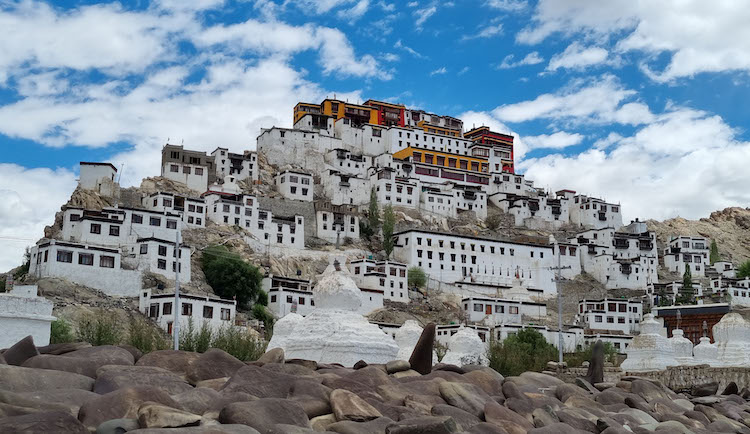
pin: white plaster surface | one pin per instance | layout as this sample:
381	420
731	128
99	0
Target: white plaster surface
23	313
465	348
732	336
705	352
683	348
649	351
407	337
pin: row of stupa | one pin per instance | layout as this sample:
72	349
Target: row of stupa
651	351
335	333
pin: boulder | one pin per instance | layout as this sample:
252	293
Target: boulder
69	400
155	415
544	417
75	365
485	428
576	419
259	382
20	351
465	396
706	389
171	360
565	391
648	390
321	423
2	360
557	428
43	422
20	379
215	384
112	377
359	365
104	354
263	414
421	357
397	366
57	349
487	379
731	389
595	373
201	400
377	426
117	426
275	355
312	396
214	363
310	364
499	415
297	370
348	406
137	354
208	429
464	420
424	425
423	403
122	403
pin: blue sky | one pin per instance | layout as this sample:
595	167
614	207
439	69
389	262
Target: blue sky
641	106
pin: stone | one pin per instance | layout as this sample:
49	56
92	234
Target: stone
348	406
557	428
309	364
135	352
284	368
465	396
104	354
274	355
110	378
421	358
544	417
117	426
406	338
360	364
43	422
486	378
202	400
75	365
464	420
585	385
485	428
499	415
697	416
404	374
264	414
49	400
208	429
563	392
321	423
57	349
122	403
155	415
312	396
377	426
731	389
214	363
649	351
260	382
465	348
648	390
397	366
20	351
20	379
174	361
424	425
215	384
682	347
595	372
705	389
640	416
732	336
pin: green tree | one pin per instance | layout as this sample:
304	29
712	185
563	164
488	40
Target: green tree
262	314
687	278
231	277
389	222
416	278
743	270
373	214
524	351
23	270
714	256
100	328
60	332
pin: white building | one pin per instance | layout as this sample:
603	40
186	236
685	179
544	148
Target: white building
495	311
159	256
239	166
455	258
390	277
335	223
24	313
682	252
737	289
295	185
119	226
345	189
99	177
93	266
443	332
395	190
192	210
573	337
215	312
288	295
535	212
193	168
590	212
725	269
610	315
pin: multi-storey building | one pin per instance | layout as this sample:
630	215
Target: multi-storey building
611	315
431	122
192	168
395	190
494	311
118	226
345	189
536	212
295	185
161	257
387	276
590	212
455	258
684	251
288	294
497	147
435	166
217	313
192	210
99	177
388	114
335	223
238	166
738	290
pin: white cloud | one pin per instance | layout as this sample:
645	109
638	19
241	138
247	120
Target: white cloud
558	140
409	50
29	199
486	32
699	36
602	101
412	4
463	70
577	56
439	71
423	15
507	5
390	57
532	58
355	12
387	7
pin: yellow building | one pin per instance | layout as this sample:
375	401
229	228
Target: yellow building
359	114
304	108
436	129
444	159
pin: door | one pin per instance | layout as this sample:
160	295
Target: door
488	309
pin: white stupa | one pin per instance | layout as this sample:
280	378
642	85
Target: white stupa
682	347
407	337
466	348
283	328
732	336
649	351
706	353
334	332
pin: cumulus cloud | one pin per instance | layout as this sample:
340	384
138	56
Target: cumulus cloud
423	14
486	32
439	71
577	56
532	58
698	36
558	140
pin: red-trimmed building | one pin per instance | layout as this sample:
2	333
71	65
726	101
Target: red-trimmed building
501	147
389	115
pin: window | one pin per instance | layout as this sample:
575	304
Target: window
621	320
187	309
199	171
289	299
598	318
610	320
302	301
499	309
173	168
107	261
64	256
162	250
86	258
153	310
114	230
478	307
513	310
154	221
137	218
208	312
167	308
225	313
96	228
161	264
75	217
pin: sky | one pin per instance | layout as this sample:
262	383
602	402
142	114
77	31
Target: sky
640	105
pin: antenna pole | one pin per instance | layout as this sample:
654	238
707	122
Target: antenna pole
176	328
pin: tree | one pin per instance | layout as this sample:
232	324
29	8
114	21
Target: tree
687	278
231	277
743	270
373	214
524	351
416	278
714	256
389	222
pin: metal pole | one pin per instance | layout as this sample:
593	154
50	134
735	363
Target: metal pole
559	305
176	327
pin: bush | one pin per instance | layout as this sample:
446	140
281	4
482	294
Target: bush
389	222
61	332
743	270
440	350
524	351
262	314
100	328
231	277
2	284
493	221
239	343
416	278
584	355
147	336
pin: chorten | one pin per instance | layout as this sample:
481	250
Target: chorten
732	336
465	348
407	337
682	347
334	332
706	353
649	351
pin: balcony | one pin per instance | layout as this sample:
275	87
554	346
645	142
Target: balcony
602	217
625	268
675	250
470	195
621	244
556	210
646	245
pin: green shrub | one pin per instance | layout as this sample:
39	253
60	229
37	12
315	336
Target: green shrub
61	332
524	351
239	343
100	328
262	314
416	278
743	270
231	277
584	355
389	222
147	336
